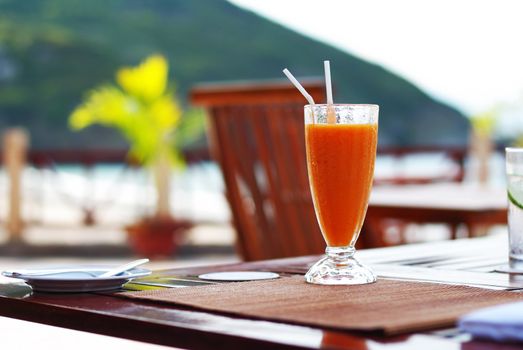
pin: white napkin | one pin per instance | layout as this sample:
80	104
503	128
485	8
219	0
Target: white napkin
500	323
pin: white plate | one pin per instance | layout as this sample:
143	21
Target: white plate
79	280
238	276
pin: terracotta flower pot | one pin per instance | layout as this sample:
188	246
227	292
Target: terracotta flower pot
156	238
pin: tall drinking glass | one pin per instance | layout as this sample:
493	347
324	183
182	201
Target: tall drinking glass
514	167
341	142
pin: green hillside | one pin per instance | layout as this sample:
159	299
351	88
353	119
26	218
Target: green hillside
52	51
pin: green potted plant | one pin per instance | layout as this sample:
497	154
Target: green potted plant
143	108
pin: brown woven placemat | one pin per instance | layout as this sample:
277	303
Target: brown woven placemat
386	306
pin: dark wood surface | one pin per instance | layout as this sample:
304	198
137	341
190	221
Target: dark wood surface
104	313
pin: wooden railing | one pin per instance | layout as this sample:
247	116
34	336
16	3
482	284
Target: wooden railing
44	158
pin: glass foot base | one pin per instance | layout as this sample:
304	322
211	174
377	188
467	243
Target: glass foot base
339	267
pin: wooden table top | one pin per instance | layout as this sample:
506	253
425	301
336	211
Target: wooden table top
454	196
471	261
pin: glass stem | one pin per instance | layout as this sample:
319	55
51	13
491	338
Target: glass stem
340	255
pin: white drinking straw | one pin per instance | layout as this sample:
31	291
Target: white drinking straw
328	85
331	113
298	86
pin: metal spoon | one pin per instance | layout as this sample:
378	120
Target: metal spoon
122	268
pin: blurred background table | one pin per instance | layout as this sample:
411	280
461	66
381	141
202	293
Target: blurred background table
476	207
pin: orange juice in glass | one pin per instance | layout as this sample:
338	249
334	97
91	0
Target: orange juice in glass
341	143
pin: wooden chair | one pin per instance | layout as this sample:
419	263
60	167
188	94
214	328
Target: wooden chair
256	134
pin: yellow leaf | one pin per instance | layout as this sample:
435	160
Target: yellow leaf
105	105
80	118
485	123
165	113
147	81
109	106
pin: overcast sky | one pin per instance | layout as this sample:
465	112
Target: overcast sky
466	53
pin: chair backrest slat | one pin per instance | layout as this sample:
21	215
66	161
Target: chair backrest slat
286	175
